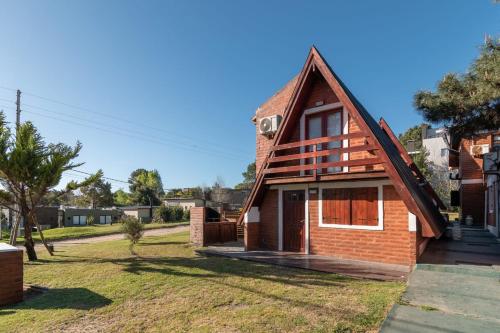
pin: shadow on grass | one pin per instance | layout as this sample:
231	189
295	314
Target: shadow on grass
60	298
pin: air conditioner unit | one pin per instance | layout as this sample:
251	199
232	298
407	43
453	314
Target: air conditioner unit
478	150
269	125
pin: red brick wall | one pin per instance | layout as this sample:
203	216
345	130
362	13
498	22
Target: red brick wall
11	277
252	236
395	244
320	92
472	167
197	218
472	202
274	106
269	221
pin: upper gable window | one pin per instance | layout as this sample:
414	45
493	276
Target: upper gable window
323	124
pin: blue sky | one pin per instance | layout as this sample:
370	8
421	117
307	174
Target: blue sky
182	79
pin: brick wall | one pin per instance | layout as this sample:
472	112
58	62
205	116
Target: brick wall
395	244
197	218
274	106
252	236
472	202
11	277
269	221
472	167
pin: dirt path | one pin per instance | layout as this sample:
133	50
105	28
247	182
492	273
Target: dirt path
97	239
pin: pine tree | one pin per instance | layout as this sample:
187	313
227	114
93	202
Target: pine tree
466	103
29	170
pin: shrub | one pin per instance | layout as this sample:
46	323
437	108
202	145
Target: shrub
90	219
133	230
187	215
178	212
158	216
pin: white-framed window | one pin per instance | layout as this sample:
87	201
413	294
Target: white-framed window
79	220
105	219
351	205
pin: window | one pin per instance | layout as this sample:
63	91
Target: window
79	220
325	124
496	140
105	219
355	208
444	152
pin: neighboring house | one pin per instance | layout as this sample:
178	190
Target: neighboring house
229	198
74	216
185	203
436	143
333	181
142	213
466	158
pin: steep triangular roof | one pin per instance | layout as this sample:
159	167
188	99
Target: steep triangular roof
402	177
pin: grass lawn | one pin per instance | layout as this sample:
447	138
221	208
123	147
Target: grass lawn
169	288
89	231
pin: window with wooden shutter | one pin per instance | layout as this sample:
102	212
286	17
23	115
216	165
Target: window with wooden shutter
364	206
336	206
345	207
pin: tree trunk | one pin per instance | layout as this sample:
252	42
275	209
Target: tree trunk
35	222
29	244
14	230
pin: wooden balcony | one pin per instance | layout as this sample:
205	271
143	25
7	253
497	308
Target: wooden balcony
309	160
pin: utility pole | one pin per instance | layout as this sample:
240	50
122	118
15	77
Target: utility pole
18	109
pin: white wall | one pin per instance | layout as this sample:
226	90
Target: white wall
434	146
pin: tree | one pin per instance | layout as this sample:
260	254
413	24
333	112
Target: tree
97	194
122	198
146	187
466	103
219	182
133	230
420	159
29	170
249	177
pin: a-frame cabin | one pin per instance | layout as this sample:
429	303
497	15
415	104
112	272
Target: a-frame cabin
333	181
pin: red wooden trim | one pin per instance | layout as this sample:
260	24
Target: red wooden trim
409	161
320	153
316	141
364	161
360	175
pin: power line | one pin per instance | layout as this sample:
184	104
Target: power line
134	122
126	134
127	130
107	130
192	147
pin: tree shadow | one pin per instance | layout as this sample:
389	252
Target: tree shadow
60	298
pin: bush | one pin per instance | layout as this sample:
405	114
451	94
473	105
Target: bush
133	230
187	215
177	213
158	216
169	214
90	219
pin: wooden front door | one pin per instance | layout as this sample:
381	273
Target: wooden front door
294	220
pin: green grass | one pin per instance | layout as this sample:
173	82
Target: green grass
169	288
89	231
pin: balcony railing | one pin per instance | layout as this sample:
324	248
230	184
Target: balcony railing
311	157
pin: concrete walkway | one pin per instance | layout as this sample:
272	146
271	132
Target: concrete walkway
97	239
459	291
